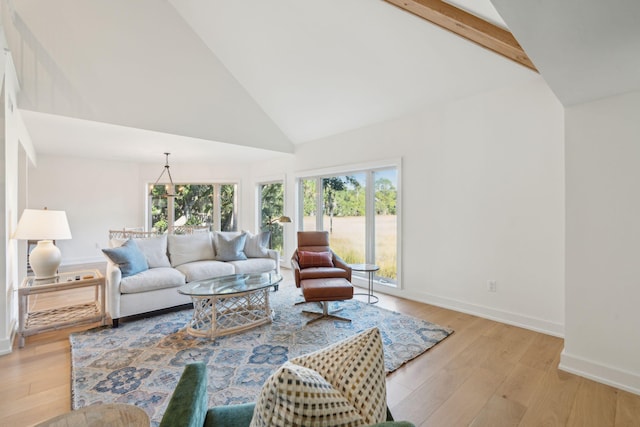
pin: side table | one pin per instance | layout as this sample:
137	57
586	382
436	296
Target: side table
34	322
370	269
111	414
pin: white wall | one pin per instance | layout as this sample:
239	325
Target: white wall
603	241
10	172
483	199
99	195
483	196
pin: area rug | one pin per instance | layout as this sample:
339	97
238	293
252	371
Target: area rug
141	361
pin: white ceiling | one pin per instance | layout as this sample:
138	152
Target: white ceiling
584	49
250	73
227	77
322	68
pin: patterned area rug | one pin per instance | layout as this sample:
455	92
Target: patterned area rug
141	361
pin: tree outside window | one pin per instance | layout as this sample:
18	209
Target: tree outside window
359	211
210	205
272	208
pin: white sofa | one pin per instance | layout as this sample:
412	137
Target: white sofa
172	261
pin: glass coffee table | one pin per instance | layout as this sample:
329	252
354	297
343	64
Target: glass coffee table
229	304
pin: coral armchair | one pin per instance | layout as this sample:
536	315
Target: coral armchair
314	259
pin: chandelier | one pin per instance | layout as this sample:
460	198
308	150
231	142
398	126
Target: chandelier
170	188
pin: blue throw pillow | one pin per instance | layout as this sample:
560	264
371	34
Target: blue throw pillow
230	248
128	257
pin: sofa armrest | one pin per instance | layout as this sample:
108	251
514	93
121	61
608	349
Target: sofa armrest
113	278
275	255
189	401
230	415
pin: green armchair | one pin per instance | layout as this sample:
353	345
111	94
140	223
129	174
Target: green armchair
188	406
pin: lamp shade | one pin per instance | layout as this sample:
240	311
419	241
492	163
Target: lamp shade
42	224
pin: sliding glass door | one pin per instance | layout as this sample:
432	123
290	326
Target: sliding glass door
359	210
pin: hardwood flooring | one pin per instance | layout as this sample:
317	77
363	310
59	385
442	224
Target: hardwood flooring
485	374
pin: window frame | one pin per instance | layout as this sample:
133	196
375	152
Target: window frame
216	212
369	168
258	200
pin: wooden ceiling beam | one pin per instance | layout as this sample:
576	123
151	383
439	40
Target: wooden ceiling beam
468	26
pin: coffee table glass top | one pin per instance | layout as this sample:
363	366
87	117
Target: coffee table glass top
229	285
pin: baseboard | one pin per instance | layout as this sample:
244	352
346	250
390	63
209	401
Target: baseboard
604	374
6	344
503	316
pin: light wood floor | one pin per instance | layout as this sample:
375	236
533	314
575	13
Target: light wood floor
485	374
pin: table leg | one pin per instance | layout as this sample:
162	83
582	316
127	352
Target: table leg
24	300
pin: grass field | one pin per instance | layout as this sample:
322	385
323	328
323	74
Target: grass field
348	240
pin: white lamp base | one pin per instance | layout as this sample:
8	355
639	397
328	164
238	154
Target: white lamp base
45	259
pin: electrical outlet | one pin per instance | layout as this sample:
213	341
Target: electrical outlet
492	286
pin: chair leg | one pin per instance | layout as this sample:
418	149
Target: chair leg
326	314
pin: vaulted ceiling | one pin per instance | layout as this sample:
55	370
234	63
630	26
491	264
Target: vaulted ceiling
251	79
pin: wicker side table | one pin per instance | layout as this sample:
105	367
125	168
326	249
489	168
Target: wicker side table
49	319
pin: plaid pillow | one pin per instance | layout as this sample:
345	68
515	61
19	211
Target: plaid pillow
299	396
308	259
341	385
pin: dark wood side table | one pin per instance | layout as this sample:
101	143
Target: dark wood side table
370	269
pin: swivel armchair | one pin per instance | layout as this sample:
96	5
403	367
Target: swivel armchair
321	273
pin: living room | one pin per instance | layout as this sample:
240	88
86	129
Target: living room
506	184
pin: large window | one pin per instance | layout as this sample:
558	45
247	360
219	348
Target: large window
359	210
271	205
210	205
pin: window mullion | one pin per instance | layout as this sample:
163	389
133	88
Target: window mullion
370	214
319	205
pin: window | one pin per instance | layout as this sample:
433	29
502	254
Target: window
271	205
359	210
210	205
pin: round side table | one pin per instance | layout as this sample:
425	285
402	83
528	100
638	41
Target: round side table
370	269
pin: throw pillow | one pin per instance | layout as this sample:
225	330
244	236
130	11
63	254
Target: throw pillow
155	250
299	396
256	245
184	248
308	259
355	367
230	248
129	258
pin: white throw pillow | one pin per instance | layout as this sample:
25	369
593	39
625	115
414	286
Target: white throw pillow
185	248
155	250
256	245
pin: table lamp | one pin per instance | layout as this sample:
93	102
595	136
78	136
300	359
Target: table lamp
45	226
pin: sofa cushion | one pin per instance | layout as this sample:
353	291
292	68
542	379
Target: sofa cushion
323	272
155	250
299	396
253	265
129	258
152	279
256	245
229	247
308	259
185	248
200	270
